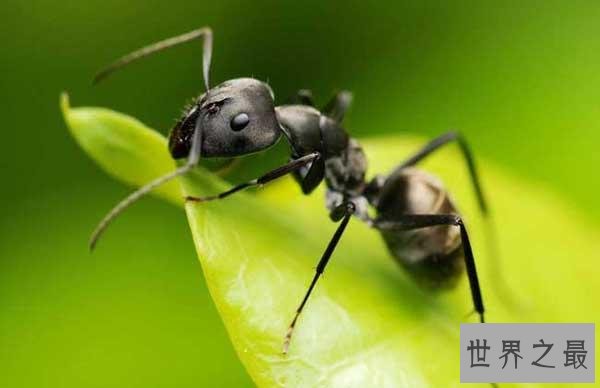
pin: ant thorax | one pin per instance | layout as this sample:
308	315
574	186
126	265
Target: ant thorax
345	179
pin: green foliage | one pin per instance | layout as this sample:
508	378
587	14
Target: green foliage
367	324
134	154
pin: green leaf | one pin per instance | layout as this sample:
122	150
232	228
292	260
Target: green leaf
367	324
123	146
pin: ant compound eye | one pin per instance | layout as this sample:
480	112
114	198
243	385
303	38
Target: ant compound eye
239	122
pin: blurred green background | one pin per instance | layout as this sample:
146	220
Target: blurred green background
520	79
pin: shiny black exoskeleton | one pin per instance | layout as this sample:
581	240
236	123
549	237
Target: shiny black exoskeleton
414	213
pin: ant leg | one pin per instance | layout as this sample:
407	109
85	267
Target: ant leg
491	235
417	221
304	97
342	212
310	178
336	108
292	166
439	142
205	33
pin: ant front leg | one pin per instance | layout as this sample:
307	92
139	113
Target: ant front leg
417	221
292	166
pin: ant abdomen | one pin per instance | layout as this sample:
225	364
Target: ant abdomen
433	255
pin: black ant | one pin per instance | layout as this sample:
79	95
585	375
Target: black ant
418	221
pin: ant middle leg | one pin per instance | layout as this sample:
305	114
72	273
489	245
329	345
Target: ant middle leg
342	212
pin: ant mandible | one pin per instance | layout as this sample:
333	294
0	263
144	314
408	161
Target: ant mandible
415	215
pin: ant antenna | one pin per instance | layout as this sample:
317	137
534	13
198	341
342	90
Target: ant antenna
195	151
193	159
204	32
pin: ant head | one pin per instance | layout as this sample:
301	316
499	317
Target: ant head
236	118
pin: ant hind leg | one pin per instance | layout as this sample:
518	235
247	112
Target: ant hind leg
418	221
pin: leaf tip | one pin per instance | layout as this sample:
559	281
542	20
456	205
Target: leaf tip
65	103
65	107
